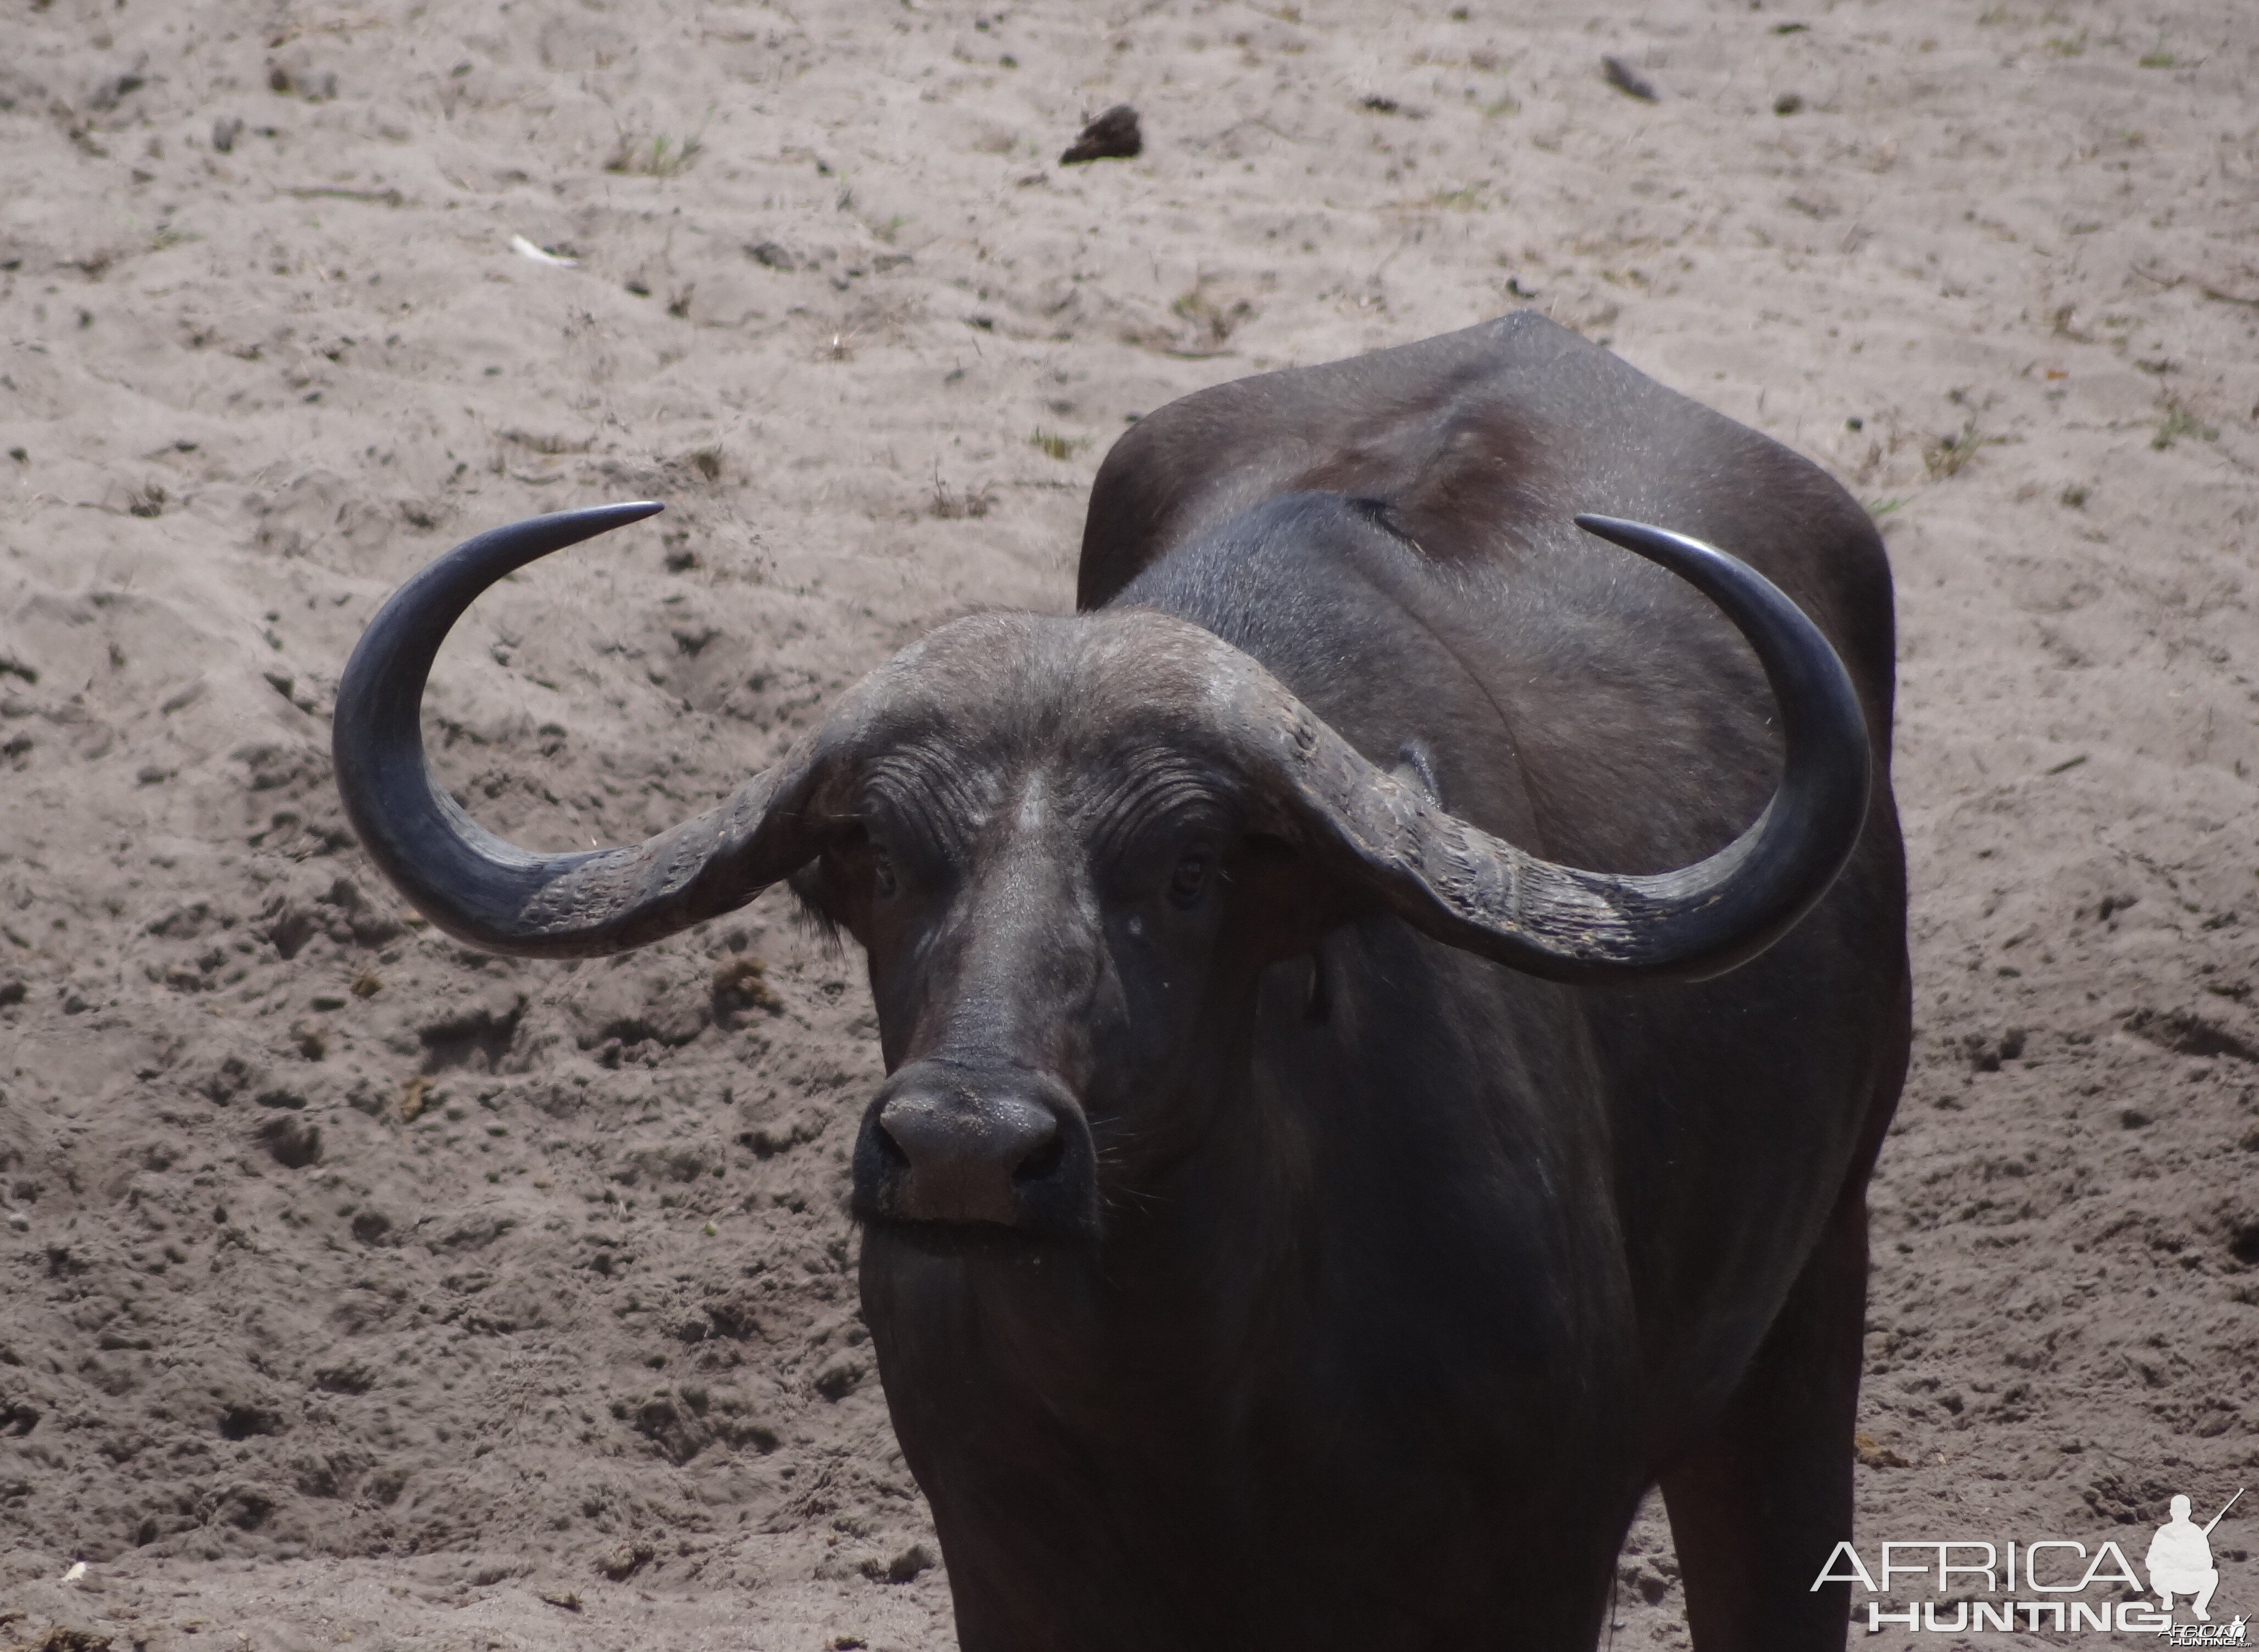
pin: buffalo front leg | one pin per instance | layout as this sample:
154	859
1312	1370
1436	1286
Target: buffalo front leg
1759	1507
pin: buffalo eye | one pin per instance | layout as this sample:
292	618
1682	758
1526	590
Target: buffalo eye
882	871
1191	875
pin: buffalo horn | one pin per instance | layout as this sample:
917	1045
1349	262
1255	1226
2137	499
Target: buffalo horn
1470	890
492	893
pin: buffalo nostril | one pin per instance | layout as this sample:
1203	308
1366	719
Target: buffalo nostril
889	1150
1041	1163
959	1152
949	1145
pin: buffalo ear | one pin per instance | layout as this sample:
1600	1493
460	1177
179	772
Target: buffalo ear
819	904
1290	898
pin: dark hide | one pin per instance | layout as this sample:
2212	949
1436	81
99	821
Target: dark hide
1266	1244
1406	1274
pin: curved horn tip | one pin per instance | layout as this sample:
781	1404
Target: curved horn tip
1607	527
604	518
562	528
1657	545
481	559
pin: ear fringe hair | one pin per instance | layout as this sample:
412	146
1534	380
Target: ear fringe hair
810	918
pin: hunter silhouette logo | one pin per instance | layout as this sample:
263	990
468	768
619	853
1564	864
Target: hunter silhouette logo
2046	1583
2180	1559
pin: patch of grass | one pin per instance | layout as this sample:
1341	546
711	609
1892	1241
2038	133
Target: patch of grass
1499	106
2179	421
743	984
955	506
1880	508
658	157
1869	1451
2075	497
2068	45
1948	455
2156	56
1056	446
1218	321
1469	199
550	445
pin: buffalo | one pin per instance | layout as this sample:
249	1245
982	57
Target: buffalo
1389	1009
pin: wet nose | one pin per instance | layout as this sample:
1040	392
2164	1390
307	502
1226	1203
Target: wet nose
964	1151
941	1145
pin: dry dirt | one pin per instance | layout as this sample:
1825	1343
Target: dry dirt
358	1289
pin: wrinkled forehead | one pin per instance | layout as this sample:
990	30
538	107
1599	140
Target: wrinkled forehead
1070	713
1020	682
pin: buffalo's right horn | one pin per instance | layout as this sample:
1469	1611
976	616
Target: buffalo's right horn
1462	885
493	895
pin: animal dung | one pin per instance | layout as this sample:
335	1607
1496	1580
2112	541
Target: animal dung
1112	136
623	1561
1627	80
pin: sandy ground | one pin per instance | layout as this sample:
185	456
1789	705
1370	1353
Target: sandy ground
357	1289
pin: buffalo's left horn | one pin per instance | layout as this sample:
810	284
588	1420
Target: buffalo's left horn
493	895
1463	887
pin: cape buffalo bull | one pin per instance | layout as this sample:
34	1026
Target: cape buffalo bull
1305	1210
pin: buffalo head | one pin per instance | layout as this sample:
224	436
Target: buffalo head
1069	847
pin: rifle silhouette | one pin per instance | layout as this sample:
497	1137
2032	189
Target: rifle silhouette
2224	1507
